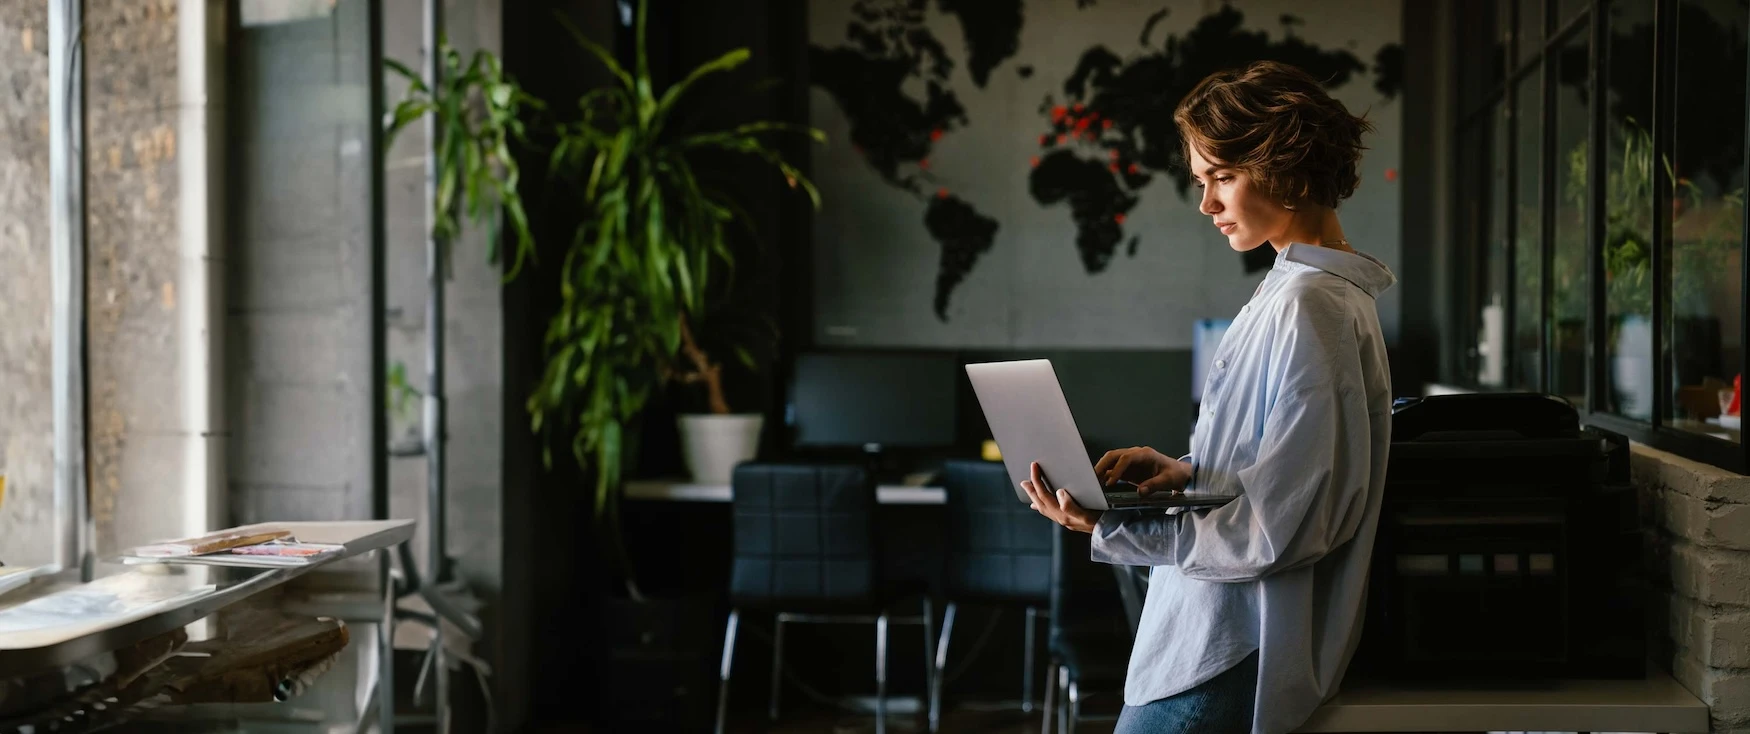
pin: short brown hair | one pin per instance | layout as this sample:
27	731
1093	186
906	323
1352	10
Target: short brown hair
1278	125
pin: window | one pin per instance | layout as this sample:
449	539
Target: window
1600	212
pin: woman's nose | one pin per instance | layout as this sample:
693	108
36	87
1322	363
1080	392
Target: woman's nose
1208	203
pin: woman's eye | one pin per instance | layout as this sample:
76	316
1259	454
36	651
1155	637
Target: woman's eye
1224	179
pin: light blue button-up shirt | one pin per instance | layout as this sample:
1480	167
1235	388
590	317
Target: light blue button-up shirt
1297	421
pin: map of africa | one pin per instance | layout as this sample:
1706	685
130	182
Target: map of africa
1105	131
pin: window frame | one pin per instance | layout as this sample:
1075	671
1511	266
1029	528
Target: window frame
1470	274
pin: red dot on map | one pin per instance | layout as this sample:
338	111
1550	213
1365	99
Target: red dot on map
1391	174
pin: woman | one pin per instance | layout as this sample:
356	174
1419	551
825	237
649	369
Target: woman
1254	608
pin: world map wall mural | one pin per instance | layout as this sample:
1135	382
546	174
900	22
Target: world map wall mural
1004	173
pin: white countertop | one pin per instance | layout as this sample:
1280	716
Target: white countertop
684	491
1654	704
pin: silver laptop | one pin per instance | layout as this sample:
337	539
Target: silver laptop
1024	405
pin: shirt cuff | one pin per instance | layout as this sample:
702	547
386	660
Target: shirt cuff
1193	480
1134	539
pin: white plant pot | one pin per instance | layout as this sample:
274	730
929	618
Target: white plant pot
713	444
1633	368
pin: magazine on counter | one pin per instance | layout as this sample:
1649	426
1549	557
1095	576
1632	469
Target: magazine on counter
287	552
256	546
212	543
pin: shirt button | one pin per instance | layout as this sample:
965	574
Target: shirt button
1221	364
1245	308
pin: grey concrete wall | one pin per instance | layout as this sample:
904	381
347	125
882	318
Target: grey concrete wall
298	276
137	437
26	415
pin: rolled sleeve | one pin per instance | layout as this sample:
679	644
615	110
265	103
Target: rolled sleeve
1301	498
1134	539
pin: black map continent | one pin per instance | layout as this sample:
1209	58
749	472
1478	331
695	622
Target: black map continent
1108	136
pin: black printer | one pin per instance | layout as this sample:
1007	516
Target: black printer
1509	545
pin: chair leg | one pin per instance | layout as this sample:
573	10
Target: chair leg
940	663
1050	698
1075	707
777	667
1063	687
929	648
881	674
723	671
1027	663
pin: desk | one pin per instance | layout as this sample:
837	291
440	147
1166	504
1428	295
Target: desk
49	648
1655	704
683	491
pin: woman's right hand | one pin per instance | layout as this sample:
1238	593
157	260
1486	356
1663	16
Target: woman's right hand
1148	469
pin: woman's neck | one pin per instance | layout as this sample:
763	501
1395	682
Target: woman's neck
1317	226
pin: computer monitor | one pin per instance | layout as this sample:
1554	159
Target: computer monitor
873	401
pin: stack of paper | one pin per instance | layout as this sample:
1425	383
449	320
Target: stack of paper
253	546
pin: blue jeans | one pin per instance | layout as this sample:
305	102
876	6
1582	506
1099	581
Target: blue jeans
1220	705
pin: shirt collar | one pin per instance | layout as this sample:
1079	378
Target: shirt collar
1362	269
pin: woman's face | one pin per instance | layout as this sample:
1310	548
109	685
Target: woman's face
1245	215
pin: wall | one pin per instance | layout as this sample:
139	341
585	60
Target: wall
1006	176
1698	542
26	414
133	336
297	327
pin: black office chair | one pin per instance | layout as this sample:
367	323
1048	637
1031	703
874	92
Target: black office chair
1091	630
999	553
804	550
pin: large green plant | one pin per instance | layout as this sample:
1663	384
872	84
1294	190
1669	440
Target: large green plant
638	269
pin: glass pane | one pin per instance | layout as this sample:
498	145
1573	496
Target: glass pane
1568	265
1628	213
1707	215
1480	37
1506	12
1460	366
1528	237
1567	9
1492	318
1530	29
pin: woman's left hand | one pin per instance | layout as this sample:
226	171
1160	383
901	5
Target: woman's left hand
1058	506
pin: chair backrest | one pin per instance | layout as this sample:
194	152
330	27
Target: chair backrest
998	548
1085	594
803	534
